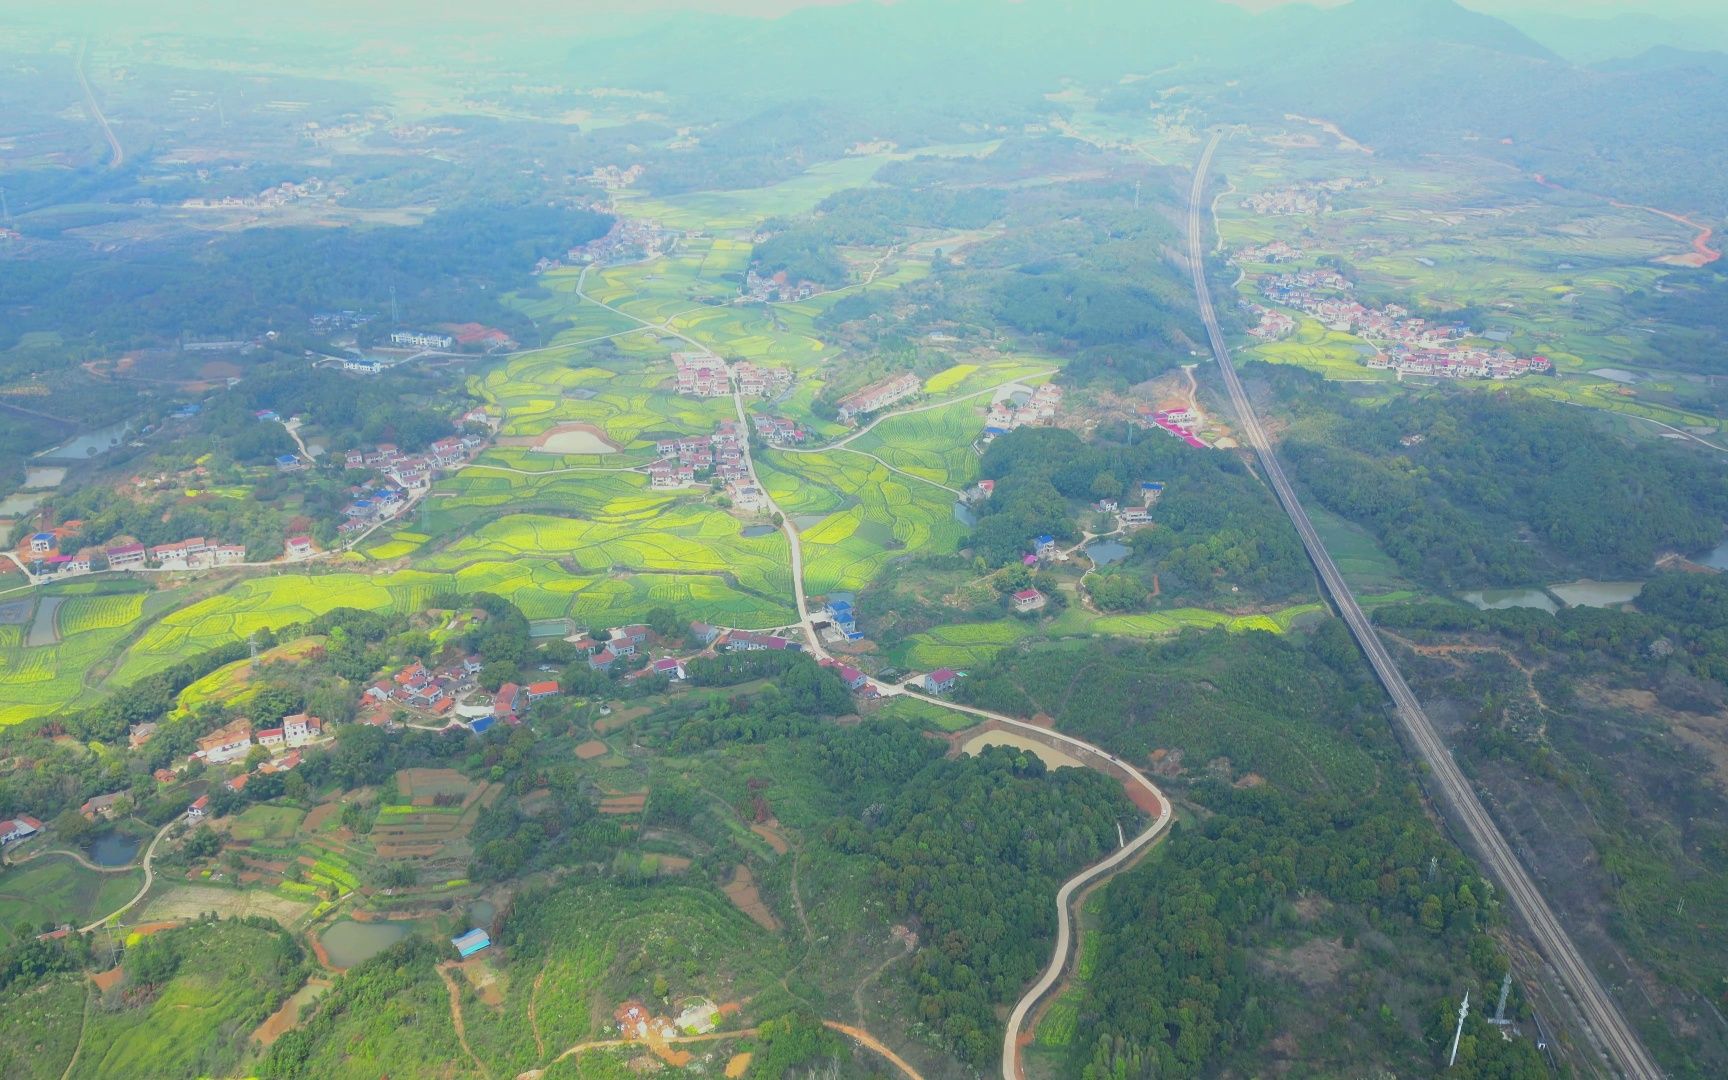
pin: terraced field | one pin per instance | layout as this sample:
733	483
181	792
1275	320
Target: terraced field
855	516
935	444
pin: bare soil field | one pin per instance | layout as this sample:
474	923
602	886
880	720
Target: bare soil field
592	749
192	901
742	892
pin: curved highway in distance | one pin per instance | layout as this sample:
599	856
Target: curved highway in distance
1622	1046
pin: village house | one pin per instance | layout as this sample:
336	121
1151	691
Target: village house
299	547
414	339
18	829
504	702
544	689
102	806
752	641
125	556
941	681
700	374
200	806
139	734
704	633
1028	600
270	738
851	676
227	743
876	396
42	543
300	729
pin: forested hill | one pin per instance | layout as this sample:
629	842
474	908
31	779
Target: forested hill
1404	76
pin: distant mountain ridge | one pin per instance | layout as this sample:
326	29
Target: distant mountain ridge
1408	76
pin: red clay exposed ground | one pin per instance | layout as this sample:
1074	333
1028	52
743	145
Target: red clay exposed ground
592	749
742	892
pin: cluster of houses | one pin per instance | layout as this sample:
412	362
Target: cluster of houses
193	553
777	430
702	374
1130	515
1303	200
1275	252
416	687
685	459
1272	324
1022	409
270	198
235	740
1404	343
878	395
613	178
1459	362
629	240
334	322
777	288
415	471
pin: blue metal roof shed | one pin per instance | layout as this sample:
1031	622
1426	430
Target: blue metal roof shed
471	942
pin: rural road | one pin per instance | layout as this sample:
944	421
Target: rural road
1093	757
1457	797
149	879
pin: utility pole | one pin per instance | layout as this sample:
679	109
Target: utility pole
395	319
1500	1010
5	209
1463	1011
1136	194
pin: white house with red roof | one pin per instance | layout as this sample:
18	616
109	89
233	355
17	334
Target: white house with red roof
22	827
1028	600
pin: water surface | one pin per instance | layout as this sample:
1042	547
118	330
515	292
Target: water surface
1500	599
112	849
1106	552
348	943
1587	593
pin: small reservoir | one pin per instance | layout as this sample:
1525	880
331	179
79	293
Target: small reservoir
348	943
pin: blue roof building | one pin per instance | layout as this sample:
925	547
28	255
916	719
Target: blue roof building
471	942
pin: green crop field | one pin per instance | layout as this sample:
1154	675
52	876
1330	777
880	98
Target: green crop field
935	444
52	889
265	822
869	515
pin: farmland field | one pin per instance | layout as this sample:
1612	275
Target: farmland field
51	889
868	515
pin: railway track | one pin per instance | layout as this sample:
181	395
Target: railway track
1607	1027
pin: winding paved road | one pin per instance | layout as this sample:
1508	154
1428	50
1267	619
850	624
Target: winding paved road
1621	1045
149	879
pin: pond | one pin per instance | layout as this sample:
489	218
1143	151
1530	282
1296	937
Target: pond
1718	557
348	943
964	515
1587	593
111	849
1498	599
751	532
1614	374
45	630
17	505
1106	552
89	445
481	913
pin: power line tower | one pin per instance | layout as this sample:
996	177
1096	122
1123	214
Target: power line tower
1463	1011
